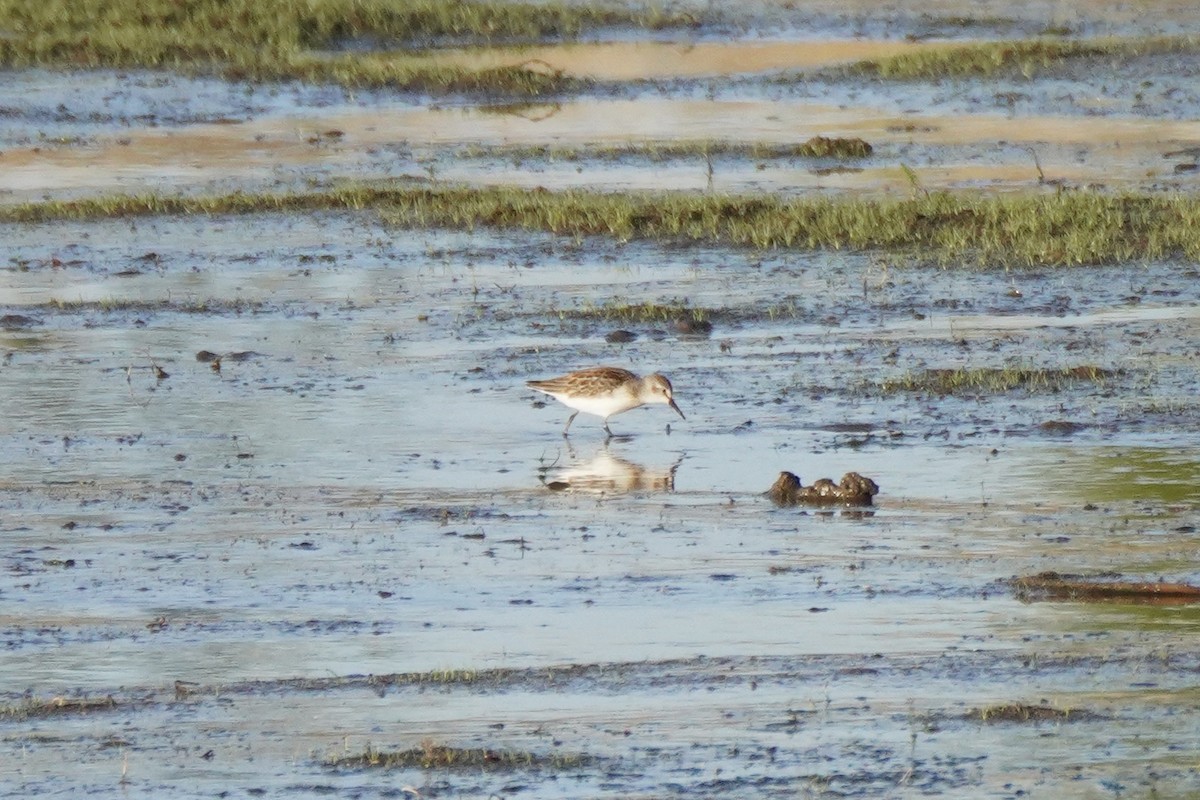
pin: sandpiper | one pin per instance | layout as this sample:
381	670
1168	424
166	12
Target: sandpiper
605	391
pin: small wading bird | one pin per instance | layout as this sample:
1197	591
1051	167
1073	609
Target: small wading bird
605	391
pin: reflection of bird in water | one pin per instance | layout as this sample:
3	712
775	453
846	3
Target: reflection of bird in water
605	391
606	473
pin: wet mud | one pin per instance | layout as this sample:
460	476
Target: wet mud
280	516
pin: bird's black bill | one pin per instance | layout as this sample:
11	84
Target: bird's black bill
672	401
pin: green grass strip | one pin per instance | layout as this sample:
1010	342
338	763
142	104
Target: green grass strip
817	147
285	40
1062	229
993	380
433	756
1025	57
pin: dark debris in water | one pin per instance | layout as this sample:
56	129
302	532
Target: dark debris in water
17	322
694	328
208	356
834	147
620	336
852	490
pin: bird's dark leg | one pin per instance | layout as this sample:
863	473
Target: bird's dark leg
606	430
570	419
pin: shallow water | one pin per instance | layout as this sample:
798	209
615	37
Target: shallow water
368	493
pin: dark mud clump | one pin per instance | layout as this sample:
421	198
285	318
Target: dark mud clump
214	360
1099	589
208	356
852	490
620	336
17	322
693	328
834	147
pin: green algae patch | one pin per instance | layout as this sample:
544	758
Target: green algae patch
948	229
432	756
